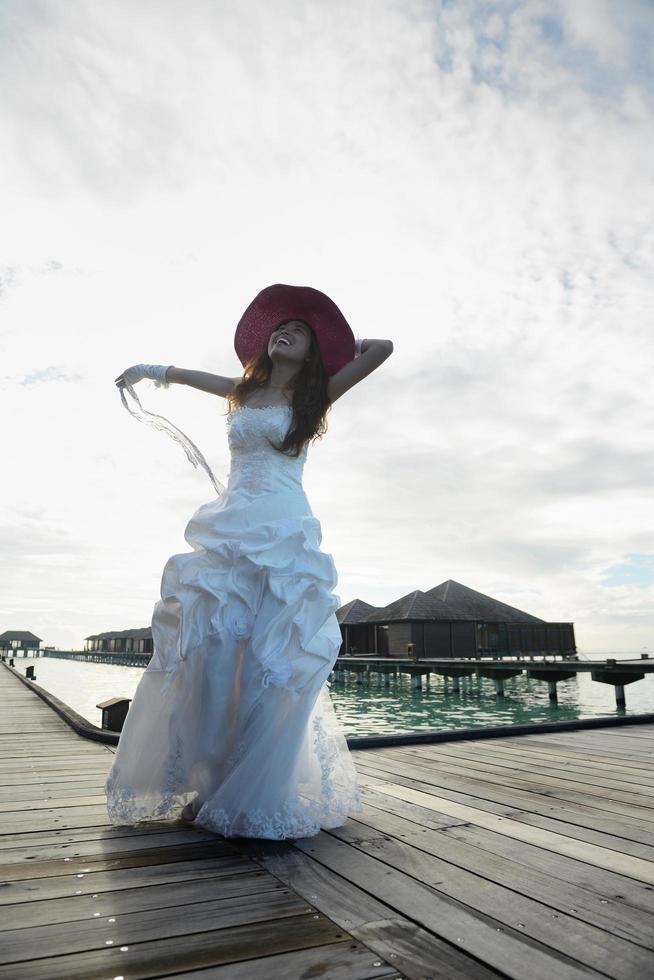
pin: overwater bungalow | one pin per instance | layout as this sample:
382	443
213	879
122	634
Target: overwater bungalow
450	620
19	641
121	641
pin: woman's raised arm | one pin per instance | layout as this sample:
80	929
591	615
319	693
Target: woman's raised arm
215	384
373	354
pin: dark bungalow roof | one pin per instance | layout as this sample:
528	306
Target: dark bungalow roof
19	635
414	605
476	605
144	633
449	601
354	611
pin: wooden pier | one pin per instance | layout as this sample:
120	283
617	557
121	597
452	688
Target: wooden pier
617	673
525	857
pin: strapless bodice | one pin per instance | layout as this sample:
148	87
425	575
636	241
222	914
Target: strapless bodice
256	466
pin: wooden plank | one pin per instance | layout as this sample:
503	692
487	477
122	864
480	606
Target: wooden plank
17	759
82	850
31	743
92	863
63	886
602	857
147	924
521	763
605	885
336	961
593	748
575	813
636	810
414	951
19	796
502	948
646	739
26	742
54	802
501	769
642	779
50	912
570	935
42	727
166	953
10	842
563	752
586	818
32	777
598	742
47	771
61	760
550	890
637	731
523	816
54	761
10	762
64	819
554	821
19	742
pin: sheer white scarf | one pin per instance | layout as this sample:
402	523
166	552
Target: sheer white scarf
193	454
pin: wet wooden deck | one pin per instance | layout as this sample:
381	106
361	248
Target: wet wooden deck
526	857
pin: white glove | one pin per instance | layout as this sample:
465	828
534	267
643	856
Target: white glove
155	372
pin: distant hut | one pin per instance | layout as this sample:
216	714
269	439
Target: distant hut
19	641
121	641
359	636
450	620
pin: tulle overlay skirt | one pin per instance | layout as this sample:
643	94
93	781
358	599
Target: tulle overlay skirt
233	712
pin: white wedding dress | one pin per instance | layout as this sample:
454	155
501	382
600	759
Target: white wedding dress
233	711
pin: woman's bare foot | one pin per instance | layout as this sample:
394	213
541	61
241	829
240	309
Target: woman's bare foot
189	812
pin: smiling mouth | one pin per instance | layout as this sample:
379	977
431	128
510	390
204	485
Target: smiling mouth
284	339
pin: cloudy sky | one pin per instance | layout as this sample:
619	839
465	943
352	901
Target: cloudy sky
470	179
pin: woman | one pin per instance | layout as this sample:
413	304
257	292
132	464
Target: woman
231	725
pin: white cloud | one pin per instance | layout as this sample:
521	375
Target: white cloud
471	180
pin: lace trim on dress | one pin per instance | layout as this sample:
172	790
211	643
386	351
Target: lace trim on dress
122	802
254	408
258	408
300	816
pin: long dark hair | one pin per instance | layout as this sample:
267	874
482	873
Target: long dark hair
310	398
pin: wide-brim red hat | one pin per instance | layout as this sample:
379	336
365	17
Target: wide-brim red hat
275	304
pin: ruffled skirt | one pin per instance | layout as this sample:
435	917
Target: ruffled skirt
233	712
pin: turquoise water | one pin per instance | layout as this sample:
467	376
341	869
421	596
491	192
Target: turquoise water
371	709
368	710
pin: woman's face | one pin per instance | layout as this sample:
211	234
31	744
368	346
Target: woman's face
290	342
